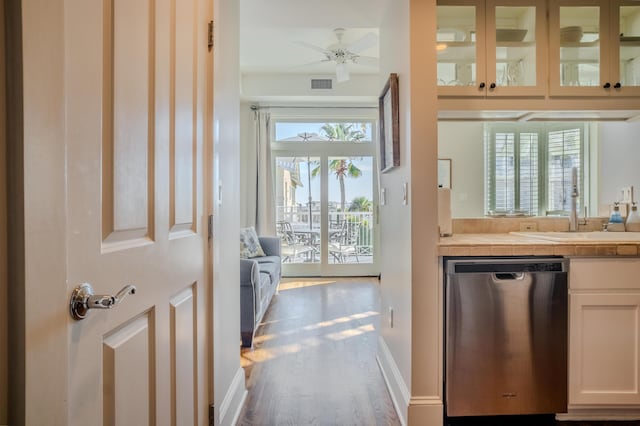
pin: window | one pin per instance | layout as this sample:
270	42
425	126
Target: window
528	168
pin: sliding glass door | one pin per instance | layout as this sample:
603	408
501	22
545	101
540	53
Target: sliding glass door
325	199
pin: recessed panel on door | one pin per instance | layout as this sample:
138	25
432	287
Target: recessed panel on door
128	121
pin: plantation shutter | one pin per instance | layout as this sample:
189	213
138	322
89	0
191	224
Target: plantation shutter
502	176
528	173
563	153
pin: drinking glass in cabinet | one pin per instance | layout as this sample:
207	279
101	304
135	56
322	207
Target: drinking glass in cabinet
515	45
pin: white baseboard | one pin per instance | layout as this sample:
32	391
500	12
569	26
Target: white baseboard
398	389
233	400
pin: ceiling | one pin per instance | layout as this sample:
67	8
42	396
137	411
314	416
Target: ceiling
270	28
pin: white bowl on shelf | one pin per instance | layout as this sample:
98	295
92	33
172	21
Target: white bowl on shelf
510	35
572	34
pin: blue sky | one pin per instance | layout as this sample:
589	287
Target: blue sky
354	187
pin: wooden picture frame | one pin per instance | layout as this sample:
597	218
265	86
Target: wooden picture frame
389	124
444	172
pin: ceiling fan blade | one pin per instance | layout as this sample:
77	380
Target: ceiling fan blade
363	43
312	46
342	72
309	64
366	60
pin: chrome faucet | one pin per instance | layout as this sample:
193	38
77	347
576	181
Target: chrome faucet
573	216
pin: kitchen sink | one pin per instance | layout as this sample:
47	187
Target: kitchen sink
597	236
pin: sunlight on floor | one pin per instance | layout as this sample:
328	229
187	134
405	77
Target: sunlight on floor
286	284
352	332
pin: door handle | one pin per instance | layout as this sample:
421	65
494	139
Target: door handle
83	299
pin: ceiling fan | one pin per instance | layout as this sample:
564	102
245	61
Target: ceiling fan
342	54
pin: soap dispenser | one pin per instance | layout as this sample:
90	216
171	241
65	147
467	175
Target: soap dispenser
633	220
615	221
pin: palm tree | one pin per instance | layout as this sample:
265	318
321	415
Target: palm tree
360	204
341	167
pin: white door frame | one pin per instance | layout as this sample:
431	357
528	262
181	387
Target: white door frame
323	152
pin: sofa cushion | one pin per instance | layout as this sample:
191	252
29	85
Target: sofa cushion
249	243
271	268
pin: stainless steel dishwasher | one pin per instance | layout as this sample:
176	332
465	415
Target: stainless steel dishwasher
505	336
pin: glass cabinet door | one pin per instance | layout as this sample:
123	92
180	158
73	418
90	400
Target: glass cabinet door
625	72
460	48
579	47
491	47
515	62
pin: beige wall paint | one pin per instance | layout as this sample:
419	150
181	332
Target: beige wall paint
4	361
426	331
409	233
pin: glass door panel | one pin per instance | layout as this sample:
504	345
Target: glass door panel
350	210
629	60
580	60
297	181
515	46
456	46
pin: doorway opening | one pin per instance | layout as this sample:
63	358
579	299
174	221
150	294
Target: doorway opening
324	175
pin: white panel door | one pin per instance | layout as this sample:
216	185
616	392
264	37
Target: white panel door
604	342
134	113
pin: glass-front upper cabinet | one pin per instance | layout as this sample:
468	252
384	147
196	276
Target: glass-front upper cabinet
595	48
491	48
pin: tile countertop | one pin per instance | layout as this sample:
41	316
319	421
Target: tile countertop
519	245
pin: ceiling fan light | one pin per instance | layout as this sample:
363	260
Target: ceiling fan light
342	72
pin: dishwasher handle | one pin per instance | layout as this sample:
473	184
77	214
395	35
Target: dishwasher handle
508	276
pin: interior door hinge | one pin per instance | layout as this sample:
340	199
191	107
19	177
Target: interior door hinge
210	227
210	36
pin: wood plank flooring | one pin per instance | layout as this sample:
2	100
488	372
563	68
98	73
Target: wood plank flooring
313	361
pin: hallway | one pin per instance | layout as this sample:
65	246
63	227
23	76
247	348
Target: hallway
313	360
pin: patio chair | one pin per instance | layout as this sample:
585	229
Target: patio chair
345	242
292	246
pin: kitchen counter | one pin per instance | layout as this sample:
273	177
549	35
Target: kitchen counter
521	245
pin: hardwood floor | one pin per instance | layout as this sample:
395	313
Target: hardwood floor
313	361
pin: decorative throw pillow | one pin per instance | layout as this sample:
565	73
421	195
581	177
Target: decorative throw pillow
249	243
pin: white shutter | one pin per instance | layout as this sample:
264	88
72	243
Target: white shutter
563	153
528	173
504	172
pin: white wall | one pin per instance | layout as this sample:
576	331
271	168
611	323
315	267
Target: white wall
395	218
248	162
228	381
619	160
463	143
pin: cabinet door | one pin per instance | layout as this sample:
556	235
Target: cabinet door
625	48
579	46
604	342
516	47
460	48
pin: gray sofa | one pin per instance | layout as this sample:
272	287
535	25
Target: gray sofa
259	279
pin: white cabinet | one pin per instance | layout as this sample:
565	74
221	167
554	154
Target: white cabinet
491	48
604	334
594	48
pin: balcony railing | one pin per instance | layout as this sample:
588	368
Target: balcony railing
361	222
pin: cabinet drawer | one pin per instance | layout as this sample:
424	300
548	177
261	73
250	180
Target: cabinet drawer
604	274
